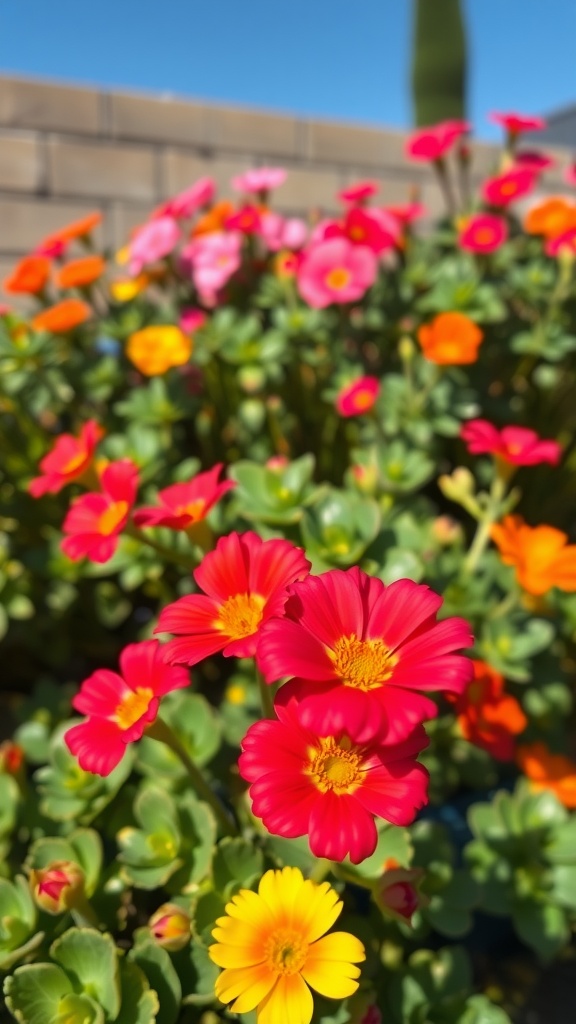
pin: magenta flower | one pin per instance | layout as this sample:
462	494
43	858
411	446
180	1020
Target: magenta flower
533	159
515	124
336	271
186	203
434	142
506	188
562	244
191	319
517	445
182	505
152	242
119	707
483	233
259	179
358	396
95	521
358	192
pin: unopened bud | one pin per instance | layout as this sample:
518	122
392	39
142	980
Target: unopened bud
397	894
252	413
365	478
251	379
406	349
446	531
56	887
170	927
11	757
277	463
458	485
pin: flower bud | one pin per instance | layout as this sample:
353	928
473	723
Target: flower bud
397	893
170	927
11	757
251	379
446	531
458	485
372	1016
406	349
56	887
365	478
277	463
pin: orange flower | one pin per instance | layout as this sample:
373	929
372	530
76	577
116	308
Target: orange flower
551	217
487	716
215	219
29	276
62	317
540	555
155	349
549	771
80	273
77	229
452	339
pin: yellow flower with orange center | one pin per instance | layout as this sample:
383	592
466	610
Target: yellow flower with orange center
156	349
540	555
272	946
549	771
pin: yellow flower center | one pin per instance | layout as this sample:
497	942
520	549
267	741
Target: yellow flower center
240	615
363	664
335	768
285	952
112	517
133	706
74	462
195	509
338	278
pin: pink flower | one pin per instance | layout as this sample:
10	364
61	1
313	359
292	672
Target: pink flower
359	653
119	707
259	180
517	445
152	242
247	220
69	459
330	787
358	192
358	397
214	259
570	173
483	232
94	521
182	505
336	271
534	159
375	228
192	319
186	203
244	581
507	187
281	233
434	142
517	123
562	244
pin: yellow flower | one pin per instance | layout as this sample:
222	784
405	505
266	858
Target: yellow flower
153	350
125	289
271	948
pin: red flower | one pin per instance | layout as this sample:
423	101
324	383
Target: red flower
120	706
332	787
182	505
487	716
247	220
95	520
564	244
434	142
517	445
484	232
68	460
517	123
358	192
505	188
244	580
533	159
358	397
360	651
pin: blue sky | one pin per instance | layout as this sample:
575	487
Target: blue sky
331	58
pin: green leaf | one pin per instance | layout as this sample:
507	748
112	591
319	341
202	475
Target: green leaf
541	926
90	960
203	976
563	889
561	847
139	1002
34	992
237	862
159	970
79	1009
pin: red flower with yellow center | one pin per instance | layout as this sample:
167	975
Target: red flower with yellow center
69	459
120	706
244	582
330	787
95	520
359	652
182	505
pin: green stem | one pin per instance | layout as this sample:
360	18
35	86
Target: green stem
161	731
482	535
83	913
266	696
161	549
322	868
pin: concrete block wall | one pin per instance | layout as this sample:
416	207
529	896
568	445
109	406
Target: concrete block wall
65	151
